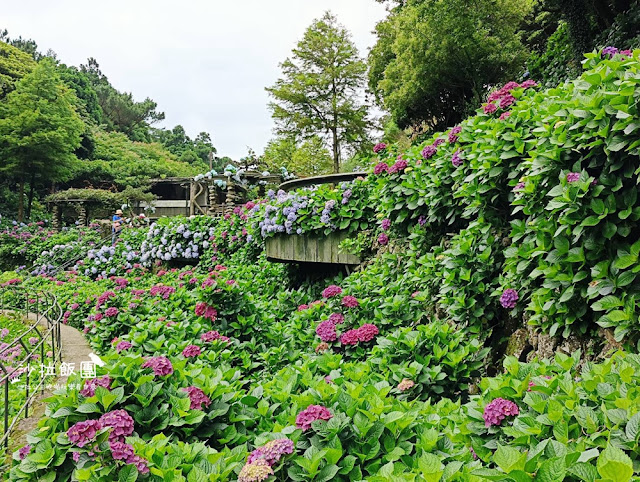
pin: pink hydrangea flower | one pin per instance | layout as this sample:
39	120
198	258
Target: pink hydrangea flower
213	335
386	224
122	346
380	146
161	365
367	332
197	397
497	410
380	168
111	312
350	302
326	330
310	415
120	422
89	388
303	307
331	291
573	177
383	239
24	451
191	351
350	337
82	433
272	451
336	318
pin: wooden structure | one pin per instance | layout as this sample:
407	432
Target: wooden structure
81	208
309	249
214	196
326	179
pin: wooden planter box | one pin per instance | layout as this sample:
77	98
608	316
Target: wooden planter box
309	249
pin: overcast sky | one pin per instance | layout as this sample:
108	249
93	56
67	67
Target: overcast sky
205	62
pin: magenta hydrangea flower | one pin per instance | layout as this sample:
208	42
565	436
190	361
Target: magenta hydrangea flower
326	330
453	134
350	337
383	239
331	291
303	307
379	147
256	472
399	166
82	433
213	335
509	298
161	365
272	451
350	302
456	160
497	410
573	177
422	220
111	312
191	351
504	115
24	451
386	224
380	168
367	332
337	318
519	187
122	346
121	451
490	108
75	456
89	389
507	101
310	415
429	151
197	397
121	423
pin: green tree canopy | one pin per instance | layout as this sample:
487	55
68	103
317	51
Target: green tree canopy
14	64
434	59
39	129
320	92
307	158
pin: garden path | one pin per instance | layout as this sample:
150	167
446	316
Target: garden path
75	349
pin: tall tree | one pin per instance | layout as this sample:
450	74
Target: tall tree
321	90
39	129
435	59
14	64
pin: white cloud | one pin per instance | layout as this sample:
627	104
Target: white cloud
206	63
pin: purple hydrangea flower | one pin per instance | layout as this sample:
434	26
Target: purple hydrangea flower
456	160
573	177
497	410
429	151
609	51
161	365
379	147
383	239
82	433
121	423
24	451
386	224
509	298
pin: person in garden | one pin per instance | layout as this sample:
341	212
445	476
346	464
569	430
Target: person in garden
116	226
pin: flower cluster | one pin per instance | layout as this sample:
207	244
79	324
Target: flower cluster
365	333
612	51
197	397
206	311
123	451
497	410
213	335
255	472
120	422
310	415
502	98
453	134
350	302
160	365
379	147
111	312
380	168
83	433
573	177
509	298
191	351
331	291
89	388
122	346
429	151
405	384
271	452
456	160
326	330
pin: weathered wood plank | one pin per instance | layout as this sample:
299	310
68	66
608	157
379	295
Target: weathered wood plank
310	249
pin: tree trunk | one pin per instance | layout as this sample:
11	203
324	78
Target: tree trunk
336	151
31	189
21	200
